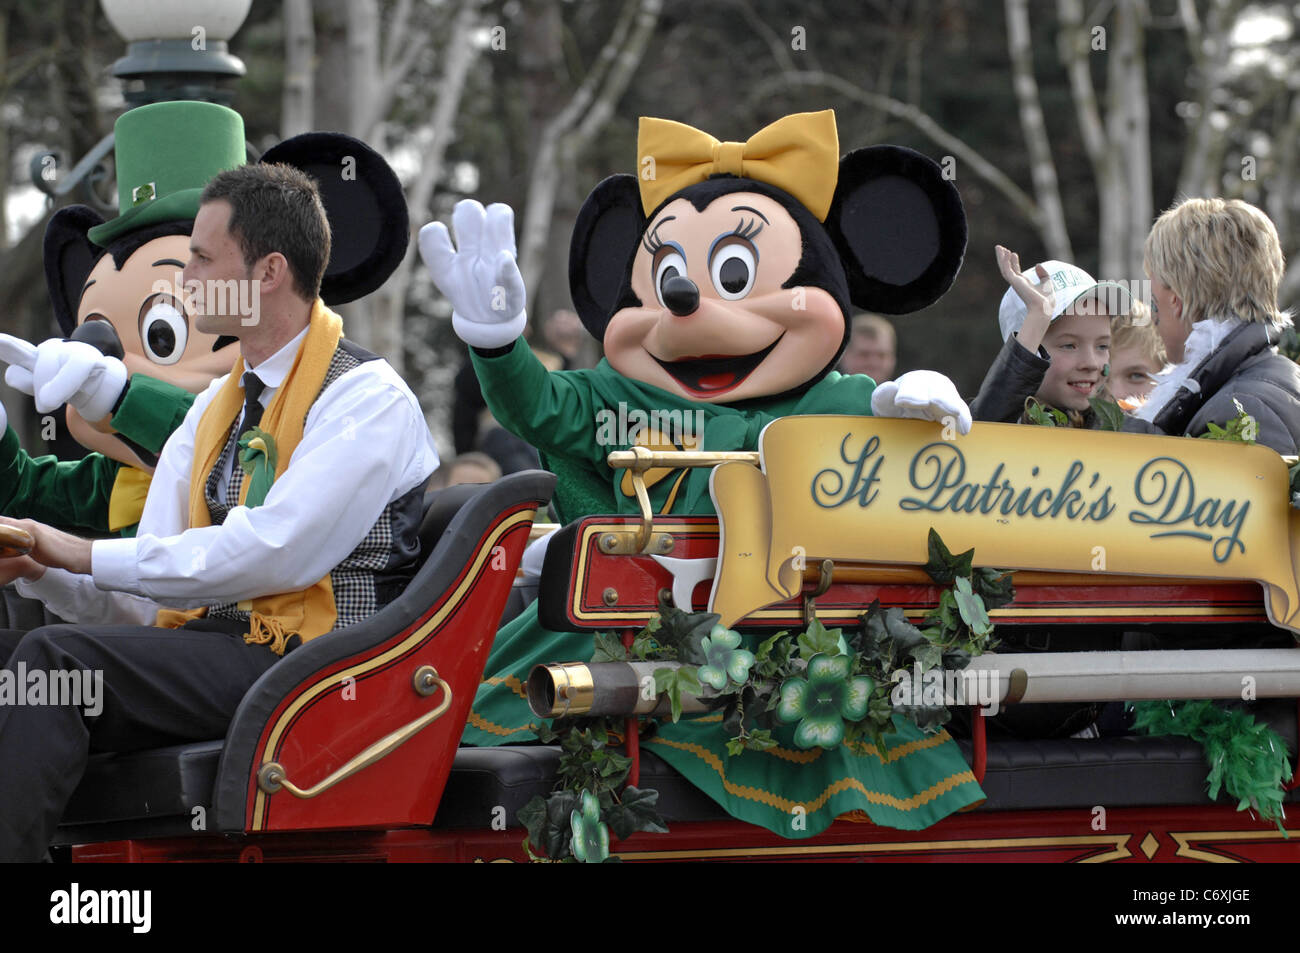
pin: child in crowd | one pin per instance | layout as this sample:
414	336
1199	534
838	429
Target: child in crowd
1056	327
1137	355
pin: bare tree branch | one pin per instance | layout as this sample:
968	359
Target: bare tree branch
1197	177
397	31
586	112
919	120
618	76
1191	23
1073	45
1042	169
779	49
400	58
459	54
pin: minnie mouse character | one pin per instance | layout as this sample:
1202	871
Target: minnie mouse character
719	281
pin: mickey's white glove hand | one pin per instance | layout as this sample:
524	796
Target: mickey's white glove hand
927	395
481	279
56	372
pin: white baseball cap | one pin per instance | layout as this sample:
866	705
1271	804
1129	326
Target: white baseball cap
1069	282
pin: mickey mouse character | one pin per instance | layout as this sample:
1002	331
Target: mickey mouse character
135	360
719	281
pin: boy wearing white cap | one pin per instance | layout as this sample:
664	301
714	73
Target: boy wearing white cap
1055	322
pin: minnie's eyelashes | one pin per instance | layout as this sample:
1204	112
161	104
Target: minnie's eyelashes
747	231
652	241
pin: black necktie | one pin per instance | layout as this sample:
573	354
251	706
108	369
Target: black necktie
253	387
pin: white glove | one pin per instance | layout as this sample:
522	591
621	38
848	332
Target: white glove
927	395
481	280
56	372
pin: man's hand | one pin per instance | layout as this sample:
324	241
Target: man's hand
927	395
56	372
481	279
53	549
20	567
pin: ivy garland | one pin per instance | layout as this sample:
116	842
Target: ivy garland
835	689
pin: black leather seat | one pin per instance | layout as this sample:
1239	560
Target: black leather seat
1020	775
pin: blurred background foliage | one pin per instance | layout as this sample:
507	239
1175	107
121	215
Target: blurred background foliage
532	102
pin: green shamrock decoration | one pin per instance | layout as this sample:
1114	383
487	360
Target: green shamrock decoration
823	701
725	659
590	835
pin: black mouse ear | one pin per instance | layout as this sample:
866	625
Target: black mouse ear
899	226
369	224
68	256
604	242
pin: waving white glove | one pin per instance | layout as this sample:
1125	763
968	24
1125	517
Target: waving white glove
481	279
56	372
927	395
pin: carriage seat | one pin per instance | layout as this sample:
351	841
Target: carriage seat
156	792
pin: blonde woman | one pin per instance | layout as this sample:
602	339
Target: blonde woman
1215	266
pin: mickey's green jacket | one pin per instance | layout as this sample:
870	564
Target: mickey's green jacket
75	494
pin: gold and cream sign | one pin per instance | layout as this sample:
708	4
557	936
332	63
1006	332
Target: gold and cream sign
867	489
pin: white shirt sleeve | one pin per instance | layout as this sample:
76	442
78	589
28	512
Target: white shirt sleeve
76	597
365	444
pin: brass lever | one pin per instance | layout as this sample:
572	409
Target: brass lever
271	776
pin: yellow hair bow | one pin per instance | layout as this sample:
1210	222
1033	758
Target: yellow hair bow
799	154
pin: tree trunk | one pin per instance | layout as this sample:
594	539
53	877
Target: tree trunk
388	305
299	98
1206	139
363	67
584	116
1127	204
332	81
1042	168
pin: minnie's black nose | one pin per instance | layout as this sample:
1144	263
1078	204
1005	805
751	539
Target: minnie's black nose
681	295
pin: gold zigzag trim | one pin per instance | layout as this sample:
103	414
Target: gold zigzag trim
492	727
899	752
785	805
510	682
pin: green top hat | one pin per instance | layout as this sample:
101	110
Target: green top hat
166	153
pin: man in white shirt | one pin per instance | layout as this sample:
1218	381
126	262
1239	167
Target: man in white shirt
314	528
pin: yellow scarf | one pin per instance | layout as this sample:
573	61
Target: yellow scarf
310	612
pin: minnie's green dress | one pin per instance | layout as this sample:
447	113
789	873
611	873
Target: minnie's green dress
790	791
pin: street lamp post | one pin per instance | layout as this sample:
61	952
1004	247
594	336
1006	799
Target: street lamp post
176	49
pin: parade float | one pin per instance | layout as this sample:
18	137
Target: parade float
348	749
753	631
